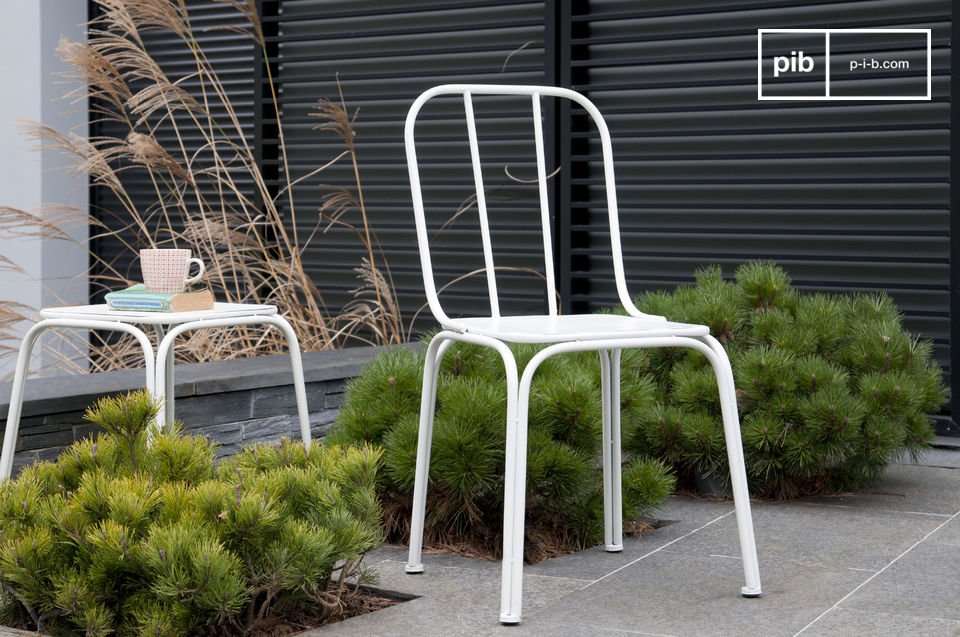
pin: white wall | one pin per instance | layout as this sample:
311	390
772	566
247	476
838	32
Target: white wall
54	271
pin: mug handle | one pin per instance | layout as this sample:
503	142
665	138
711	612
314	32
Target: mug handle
196	278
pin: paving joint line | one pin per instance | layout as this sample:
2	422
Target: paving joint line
658	549
850	506
875	575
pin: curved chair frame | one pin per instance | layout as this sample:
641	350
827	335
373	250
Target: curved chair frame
559	334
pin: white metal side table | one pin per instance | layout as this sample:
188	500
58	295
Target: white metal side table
160	364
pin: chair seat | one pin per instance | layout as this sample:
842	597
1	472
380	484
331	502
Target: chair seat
574	327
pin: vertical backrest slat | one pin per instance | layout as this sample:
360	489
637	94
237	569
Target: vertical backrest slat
537	92
481	206
544	207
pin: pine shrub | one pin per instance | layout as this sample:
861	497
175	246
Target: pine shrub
564	508
118	537
830	388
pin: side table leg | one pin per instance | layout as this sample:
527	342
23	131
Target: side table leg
165	370
164	354
296	364
16	400
168	403
293	345
23	360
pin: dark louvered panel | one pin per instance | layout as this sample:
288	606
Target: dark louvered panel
385	55
232	54
845	195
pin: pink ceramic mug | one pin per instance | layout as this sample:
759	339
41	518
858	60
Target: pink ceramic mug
165	270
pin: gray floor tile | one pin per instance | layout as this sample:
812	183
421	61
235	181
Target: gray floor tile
939	457
844	622
536	626
13	632
452	601
812	553
385	552
948	534
816	535
680	516
905	487
690	595
924	583
696	511
595	562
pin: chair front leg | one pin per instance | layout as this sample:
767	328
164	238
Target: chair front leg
514	494
738	473
428	399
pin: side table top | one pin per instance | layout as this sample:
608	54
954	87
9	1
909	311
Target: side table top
102	312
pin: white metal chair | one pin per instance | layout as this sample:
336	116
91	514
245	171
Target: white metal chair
605	333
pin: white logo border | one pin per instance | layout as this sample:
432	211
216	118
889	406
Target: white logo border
848	98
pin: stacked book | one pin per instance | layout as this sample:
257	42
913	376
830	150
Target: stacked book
137	298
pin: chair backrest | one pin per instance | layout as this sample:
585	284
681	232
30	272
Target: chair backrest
535	93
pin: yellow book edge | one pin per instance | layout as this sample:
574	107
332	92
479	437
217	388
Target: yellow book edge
192	301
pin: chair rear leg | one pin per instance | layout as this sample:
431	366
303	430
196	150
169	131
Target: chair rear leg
612	535
616	456
428	399
738	473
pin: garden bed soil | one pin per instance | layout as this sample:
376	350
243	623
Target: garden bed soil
366	601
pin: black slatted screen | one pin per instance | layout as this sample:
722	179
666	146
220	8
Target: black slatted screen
386	55
845	195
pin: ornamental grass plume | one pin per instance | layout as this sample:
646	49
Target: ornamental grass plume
183	136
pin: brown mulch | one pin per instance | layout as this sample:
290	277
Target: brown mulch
362	602
365	601
546	545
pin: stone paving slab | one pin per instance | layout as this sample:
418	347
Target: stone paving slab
948	534
844	622
817	535
874	563
939	457
885	562
13	632
923	583
690	595
679	517
541	627
907	487
451	601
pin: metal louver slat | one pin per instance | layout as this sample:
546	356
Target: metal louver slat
845	195
385	55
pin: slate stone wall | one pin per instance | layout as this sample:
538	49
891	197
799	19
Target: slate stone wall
234	402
